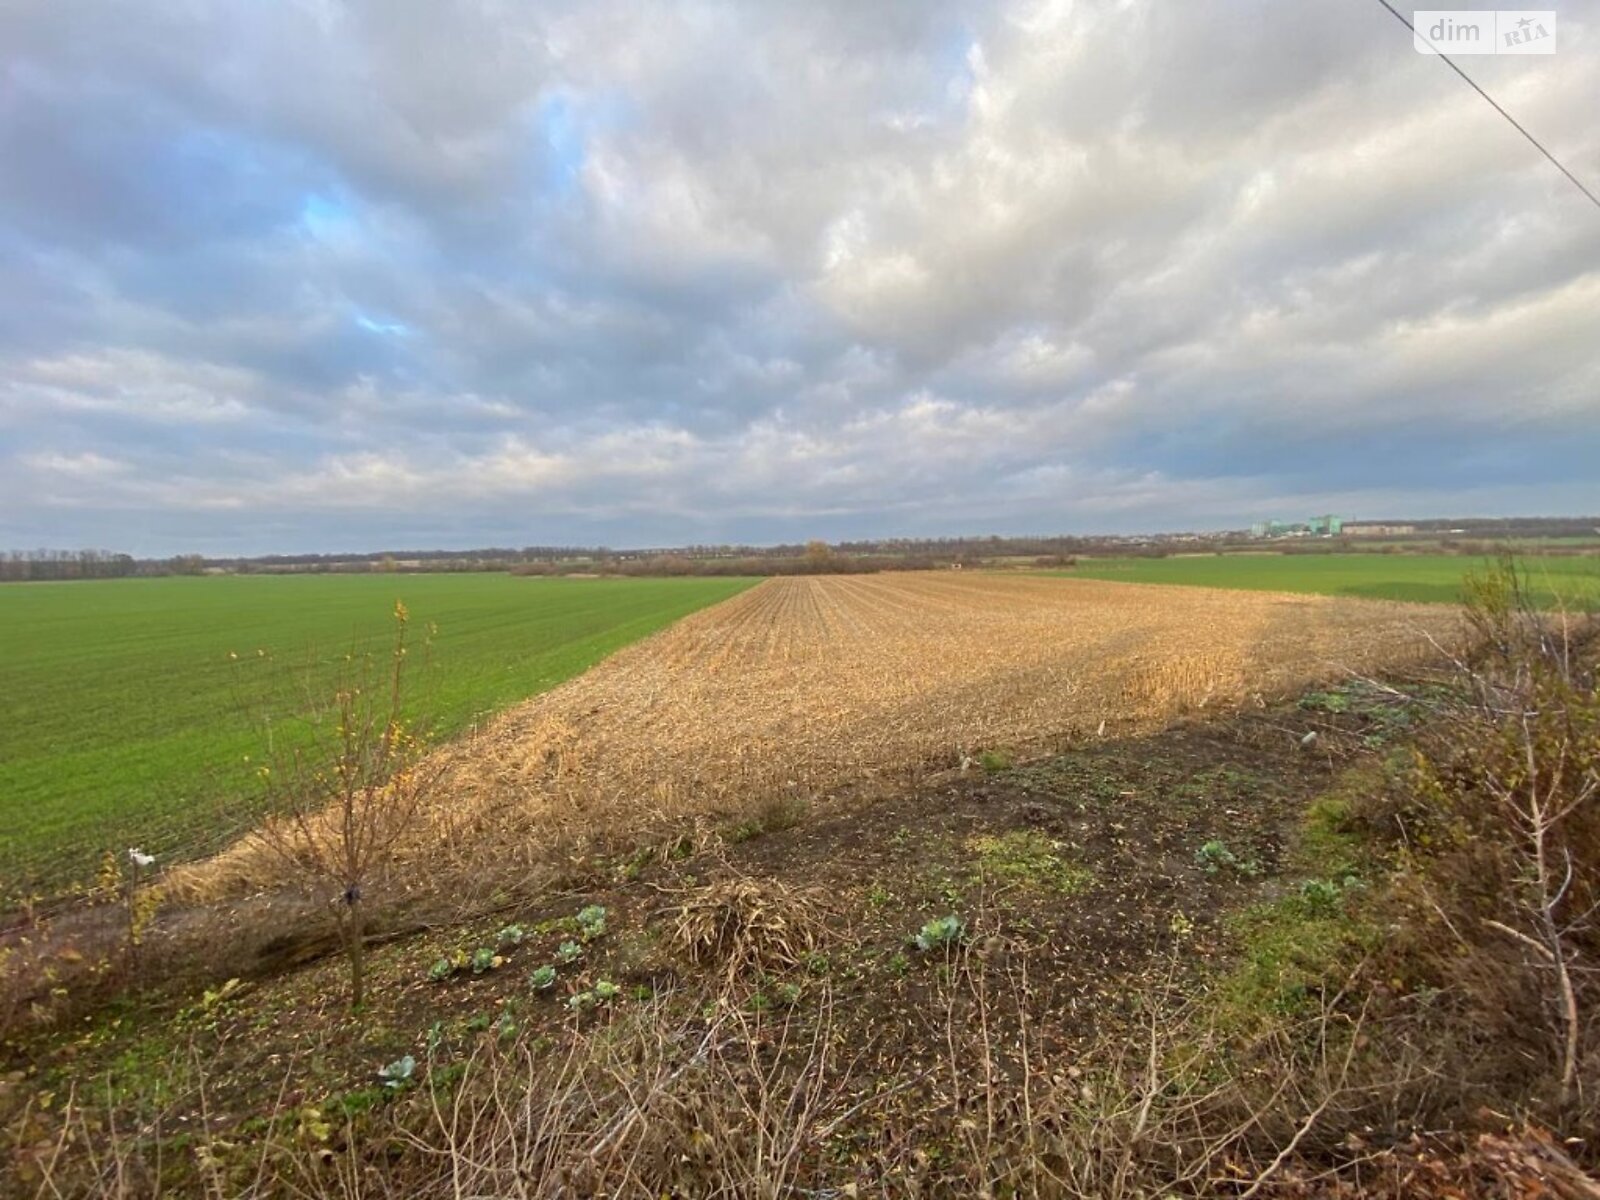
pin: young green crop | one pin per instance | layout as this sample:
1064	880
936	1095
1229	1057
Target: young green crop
1432	578
124	720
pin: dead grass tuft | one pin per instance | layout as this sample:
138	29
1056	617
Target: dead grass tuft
745	928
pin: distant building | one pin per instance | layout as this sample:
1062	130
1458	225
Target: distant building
1325	526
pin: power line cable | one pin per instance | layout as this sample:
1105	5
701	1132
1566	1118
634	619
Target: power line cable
1517	125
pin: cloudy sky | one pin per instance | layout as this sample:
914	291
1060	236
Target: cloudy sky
298	274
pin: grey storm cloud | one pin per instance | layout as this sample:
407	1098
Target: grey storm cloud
312	275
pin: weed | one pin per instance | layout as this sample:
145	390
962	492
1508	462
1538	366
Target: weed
636	863
1028	858
995	761
780	811
1329	702
443	1079
947	890
1320	896
1215	857
361	1100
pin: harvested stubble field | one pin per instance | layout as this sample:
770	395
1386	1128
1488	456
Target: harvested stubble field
804	686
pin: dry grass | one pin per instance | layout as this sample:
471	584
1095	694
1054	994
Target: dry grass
802	686
744	927
690	1096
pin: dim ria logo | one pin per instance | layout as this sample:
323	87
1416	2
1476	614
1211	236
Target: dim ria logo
1483	31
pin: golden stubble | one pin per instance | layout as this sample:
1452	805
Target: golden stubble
808	685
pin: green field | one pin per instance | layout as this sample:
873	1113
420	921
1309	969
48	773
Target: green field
123	720
1430	578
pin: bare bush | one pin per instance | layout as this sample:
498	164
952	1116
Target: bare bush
349	794
1497	836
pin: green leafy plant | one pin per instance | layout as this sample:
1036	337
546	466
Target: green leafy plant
484	959
441	970
568	952
592	921
1215	856
941	933
511	935
1320	895
397	1074
543	978
603	992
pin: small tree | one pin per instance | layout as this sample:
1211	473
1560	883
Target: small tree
347	794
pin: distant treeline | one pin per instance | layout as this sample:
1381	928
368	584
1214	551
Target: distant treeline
1497	529
23	566
1468	536
44	566
665	565
1430	543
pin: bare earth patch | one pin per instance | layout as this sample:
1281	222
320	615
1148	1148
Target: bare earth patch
804	686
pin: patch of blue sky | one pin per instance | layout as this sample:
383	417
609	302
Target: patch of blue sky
563	148
327	218
952	66
562	128
373	323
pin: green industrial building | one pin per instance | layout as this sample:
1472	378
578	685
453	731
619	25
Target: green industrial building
1324	526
